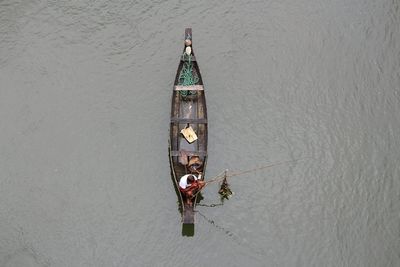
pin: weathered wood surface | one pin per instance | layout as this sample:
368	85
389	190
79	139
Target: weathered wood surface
187	110
196	87
185	120
176	153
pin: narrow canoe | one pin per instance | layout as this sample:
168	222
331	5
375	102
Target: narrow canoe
188	110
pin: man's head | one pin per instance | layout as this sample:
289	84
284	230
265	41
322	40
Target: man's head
190	179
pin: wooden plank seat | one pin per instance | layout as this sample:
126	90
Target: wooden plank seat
184	121
196	87
176	153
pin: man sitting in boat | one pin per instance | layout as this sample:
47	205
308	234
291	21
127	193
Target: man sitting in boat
189	185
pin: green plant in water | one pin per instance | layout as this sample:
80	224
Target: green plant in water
225	192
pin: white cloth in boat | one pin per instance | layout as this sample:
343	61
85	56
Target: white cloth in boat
183	181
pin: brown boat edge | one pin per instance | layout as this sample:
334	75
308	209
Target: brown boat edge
188	113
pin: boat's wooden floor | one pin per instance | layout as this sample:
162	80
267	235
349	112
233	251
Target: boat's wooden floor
190	109
193	113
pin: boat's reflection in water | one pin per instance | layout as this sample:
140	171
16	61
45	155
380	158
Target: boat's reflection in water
188	229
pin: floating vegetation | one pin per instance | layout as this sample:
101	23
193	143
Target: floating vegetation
225	192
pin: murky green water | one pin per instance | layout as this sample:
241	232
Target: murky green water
85	91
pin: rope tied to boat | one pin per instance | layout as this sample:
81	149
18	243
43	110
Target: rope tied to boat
225	192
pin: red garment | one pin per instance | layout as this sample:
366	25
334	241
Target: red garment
190	190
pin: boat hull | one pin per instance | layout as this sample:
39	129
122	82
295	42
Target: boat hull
188	110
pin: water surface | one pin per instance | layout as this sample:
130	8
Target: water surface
85	91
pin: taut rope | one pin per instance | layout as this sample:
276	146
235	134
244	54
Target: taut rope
224	174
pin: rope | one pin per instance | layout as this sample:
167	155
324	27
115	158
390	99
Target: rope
222	175
209	205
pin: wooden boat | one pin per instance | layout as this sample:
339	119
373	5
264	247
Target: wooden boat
188	110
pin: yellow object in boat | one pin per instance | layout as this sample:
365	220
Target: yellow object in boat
189	134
